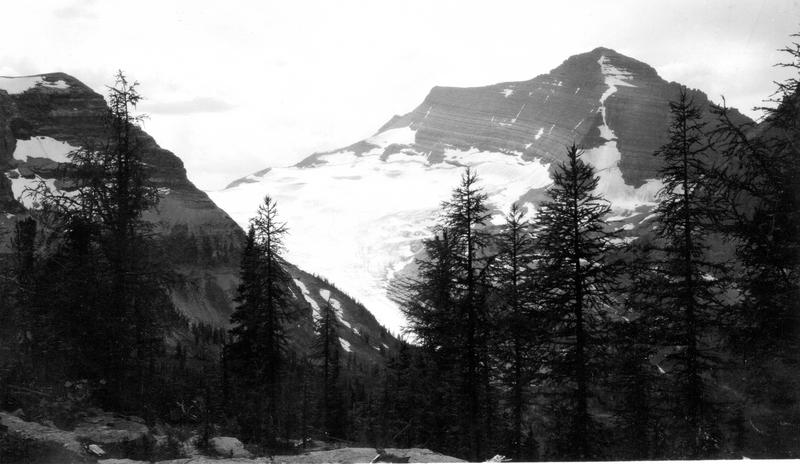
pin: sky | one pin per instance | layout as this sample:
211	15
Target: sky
233	87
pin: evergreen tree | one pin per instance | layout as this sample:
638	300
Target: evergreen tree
689	292
115	285
256	353
517	329
465	217
327	349
758	181
575	282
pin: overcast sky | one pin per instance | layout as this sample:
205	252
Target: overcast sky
236	86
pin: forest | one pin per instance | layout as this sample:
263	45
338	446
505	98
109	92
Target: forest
550	336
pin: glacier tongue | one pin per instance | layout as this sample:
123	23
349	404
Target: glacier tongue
357	219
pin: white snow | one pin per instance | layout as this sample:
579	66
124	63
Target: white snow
16	85
606	157
576	91
507	92
43	147
518	113
400	135
336	305
359	234
309	298
428	113
23	189
345	344
538	134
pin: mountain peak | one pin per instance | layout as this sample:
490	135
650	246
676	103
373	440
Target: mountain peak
583	65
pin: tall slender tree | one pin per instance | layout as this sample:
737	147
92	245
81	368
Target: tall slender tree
104	234
690	290
327	349
518	331
575	283
256	353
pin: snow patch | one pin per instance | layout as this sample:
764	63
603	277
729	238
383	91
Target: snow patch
345	345
24	190
514	120
17	85
606	157
400	135
43	147
507	92
538	134
308	298
336	305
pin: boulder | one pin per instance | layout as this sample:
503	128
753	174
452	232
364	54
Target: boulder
37	442
108	429
229	447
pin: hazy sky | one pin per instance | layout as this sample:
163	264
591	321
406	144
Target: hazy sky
236	86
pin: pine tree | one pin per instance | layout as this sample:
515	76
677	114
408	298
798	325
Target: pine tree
517	327
256	352
575	283
327	349
758	181
690	290
465	217
105	238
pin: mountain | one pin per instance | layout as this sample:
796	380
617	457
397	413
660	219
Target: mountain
44	117
358	213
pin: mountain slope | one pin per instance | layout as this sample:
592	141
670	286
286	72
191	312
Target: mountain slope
357	213
44	117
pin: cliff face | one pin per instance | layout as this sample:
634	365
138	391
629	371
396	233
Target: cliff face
540	116
44	117
358	213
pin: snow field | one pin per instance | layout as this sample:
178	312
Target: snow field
357	220
17	85
43	147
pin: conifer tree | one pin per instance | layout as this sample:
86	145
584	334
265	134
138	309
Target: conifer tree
758	181
327	349
465	217
517	327
575	283
256	352
106	241
689	293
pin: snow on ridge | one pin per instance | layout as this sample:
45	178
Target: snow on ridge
24	190
400	135
336	305
43	147
308	297
606	157
17	85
